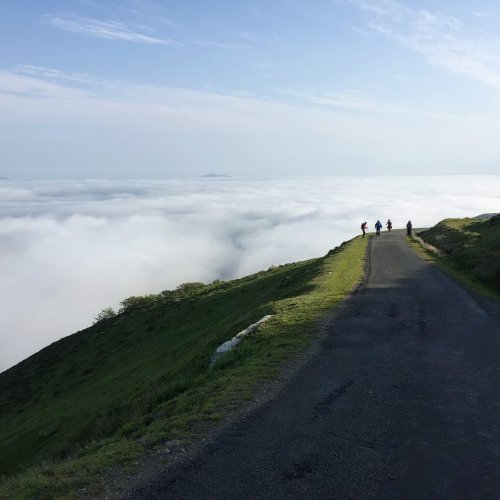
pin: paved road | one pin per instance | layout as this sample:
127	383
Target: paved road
402	401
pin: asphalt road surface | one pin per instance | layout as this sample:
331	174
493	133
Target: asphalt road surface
402	401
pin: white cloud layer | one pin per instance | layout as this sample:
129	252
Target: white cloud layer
69	249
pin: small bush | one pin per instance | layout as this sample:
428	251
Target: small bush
137	302
183	291
187	289
107	313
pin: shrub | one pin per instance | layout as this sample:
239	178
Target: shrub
137	302
187	289
107	313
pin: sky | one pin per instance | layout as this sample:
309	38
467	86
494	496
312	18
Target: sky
69	249
160	89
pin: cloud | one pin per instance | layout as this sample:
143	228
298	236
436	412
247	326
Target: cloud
351	100
69	249
210	44
443	40
109	30
52	74
385	8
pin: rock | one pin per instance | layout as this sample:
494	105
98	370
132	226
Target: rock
173	443
231	344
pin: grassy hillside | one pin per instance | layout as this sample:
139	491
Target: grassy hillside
471	246
102	396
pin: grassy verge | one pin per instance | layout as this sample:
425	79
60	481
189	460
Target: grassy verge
471	246
104	396
460	274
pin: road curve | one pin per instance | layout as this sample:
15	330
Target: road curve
402	401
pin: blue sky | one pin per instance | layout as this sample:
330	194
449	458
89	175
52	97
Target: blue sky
143	88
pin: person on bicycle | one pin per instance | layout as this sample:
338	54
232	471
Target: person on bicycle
378	227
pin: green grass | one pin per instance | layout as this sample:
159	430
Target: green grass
103	396
470	251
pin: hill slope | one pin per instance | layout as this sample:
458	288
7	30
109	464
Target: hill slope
472	245
102	395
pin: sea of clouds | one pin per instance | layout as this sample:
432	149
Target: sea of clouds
70	248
